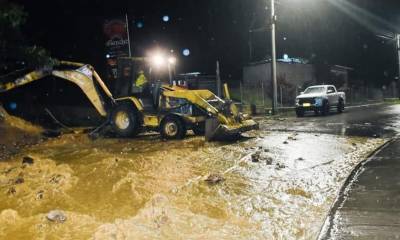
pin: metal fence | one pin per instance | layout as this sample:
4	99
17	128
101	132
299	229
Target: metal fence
261	96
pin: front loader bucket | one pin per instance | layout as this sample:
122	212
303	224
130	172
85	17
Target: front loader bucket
215	131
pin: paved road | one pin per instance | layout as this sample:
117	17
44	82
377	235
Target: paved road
369	121
369	205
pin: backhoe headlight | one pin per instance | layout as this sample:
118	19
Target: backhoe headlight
158	60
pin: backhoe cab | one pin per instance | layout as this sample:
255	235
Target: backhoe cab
170	110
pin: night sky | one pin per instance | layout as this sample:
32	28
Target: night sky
219	30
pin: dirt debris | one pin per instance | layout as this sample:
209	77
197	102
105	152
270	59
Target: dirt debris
56	178
293	137
280	166
262	155
8	170
19	180
16	133
56	216
11	191
19	123
40	195
27	160
255	157
43	180
269	160
214	179
298	192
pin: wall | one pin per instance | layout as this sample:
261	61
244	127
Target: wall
290	77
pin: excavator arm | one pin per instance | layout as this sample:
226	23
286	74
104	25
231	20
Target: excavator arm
83	77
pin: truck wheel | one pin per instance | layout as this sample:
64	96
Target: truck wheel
340	107
299	112
200	129
325	108
172	128
125	121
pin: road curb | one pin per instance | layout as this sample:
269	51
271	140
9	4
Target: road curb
326	229
365	105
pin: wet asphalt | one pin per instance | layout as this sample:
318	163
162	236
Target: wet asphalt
368	205
375	120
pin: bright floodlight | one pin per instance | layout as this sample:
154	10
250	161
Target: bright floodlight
166	18
172	60
158	60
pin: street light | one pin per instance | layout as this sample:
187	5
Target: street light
273	60
171	62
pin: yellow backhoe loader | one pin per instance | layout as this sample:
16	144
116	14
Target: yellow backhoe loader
173	111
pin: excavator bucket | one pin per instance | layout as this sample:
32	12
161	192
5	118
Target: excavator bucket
212	129
229	124
215	131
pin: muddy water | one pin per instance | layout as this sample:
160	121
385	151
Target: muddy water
16	133
151	189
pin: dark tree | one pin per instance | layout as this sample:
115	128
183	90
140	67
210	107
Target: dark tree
15	51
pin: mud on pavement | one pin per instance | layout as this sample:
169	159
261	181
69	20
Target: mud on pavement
16	133
269	186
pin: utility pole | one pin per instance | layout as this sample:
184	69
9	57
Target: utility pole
250	46
170	74
398	62
273	61
395	38
219	85
129	38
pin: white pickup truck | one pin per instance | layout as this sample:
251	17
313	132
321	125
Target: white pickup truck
320	99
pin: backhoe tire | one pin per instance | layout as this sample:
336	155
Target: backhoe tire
172	127
125	121
200	129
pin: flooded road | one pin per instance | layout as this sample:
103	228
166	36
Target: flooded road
275	186
376	120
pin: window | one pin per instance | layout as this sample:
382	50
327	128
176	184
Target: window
312	90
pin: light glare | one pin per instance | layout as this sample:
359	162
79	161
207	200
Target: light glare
172	60
158	60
